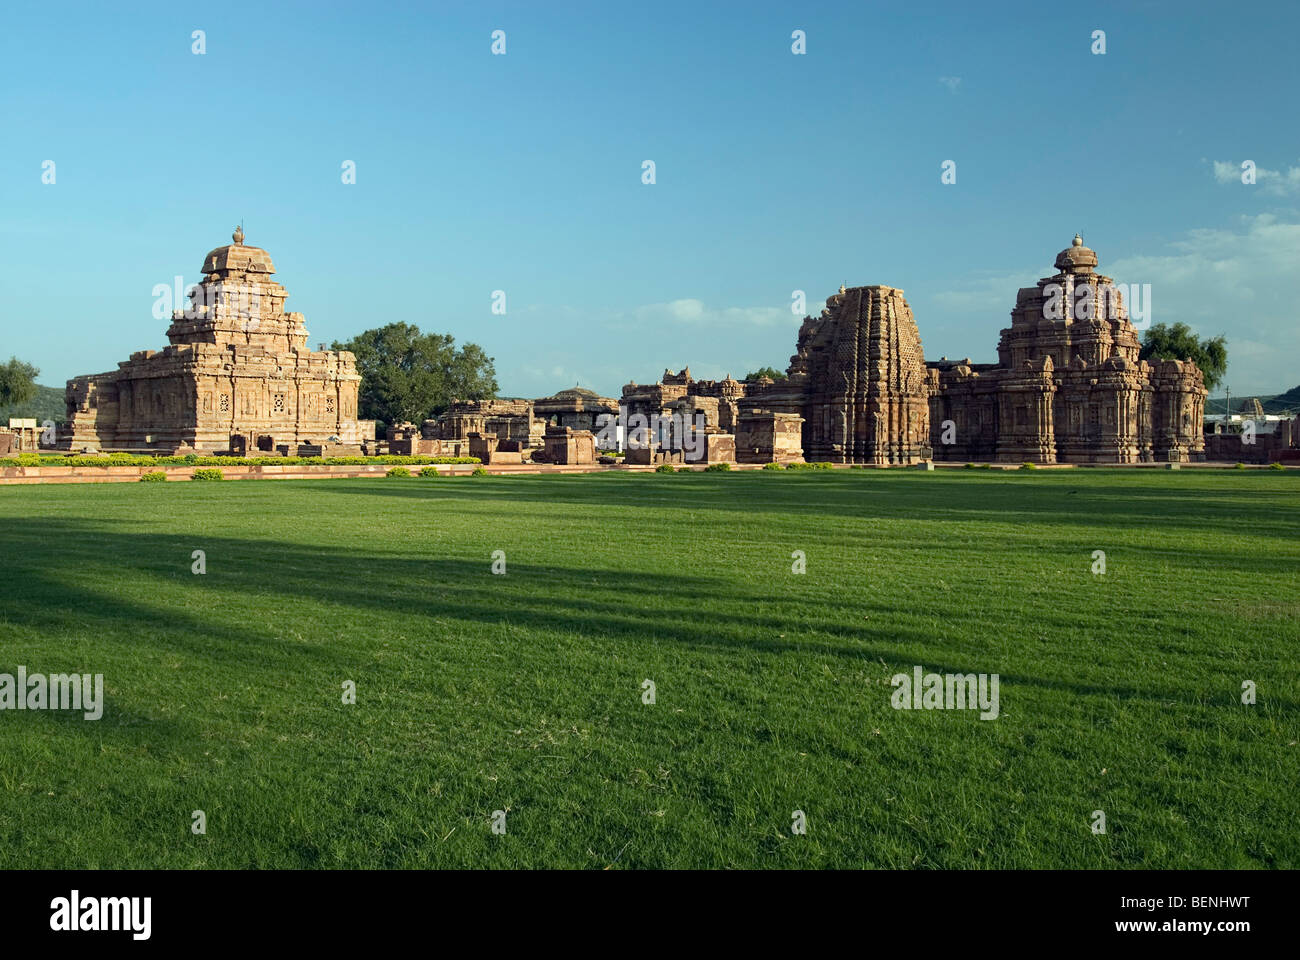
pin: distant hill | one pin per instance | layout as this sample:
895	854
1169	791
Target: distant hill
1288	402
46	405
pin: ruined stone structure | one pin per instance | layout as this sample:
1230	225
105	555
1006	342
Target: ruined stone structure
1068	386
23	435
505	418
717	401
568	446
858	380
576	407
238	375
763	436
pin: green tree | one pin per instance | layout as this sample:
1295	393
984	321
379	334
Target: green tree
17	382
409	375
765	372
1178	342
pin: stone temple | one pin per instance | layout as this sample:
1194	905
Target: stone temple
237	376
858	380
1068	386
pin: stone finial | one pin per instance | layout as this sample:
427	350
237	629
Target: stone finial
238	235
1078	241
842	290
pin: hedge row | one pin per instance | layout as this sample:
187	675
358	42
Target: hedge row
131	460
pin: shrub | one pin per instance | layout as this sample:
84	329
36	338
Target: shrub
665	468
1240	466
398	472
986	466
1276	466
774	466
480	472
153	476
194	460
429	472
717	468
1028	466
202	474
685	470
970	466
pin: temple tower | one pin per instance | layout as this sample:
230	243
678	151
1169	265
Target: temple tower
858	378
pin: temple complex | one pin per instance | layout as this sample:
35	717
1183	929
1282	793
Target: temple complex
237	376
1068	387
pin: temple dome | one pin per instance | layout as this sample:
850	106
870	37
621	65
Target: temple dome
1076	258
238	258
575	393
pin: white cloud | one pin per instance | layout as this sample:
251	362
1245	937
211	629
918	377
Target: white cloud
952	83
698	314
1276	183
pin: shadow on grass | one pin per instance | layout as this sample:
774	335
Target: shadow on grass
60	557
1115	499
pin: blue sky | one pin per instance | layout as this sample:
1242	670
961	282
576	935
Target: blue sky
774	172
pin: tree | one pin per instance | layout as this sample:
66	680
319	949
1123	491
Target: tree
1178	342
765	372
409	375
17	382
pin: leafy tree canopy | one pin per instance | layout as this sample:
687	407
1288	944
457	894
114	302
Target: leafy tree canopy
768	372
409	375
1178	342
17	382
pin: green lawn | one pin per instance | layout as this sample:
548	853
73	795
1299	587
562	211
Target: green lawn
523	692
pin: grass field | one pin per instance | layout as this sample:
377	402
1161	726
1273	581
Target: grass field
523	692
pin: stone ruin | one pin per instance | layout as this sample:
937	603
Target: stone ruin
23	435
764	436
554	429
